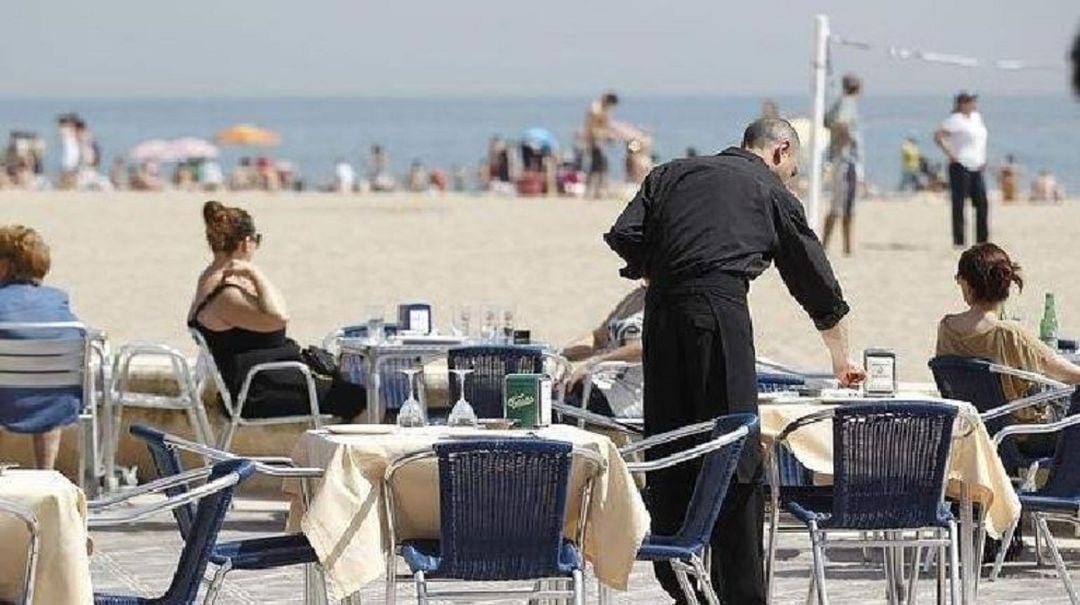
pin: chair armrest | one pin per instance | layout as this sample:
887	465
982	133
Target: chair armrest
272	466
689	454
668	437
1029	376
297	366
593	418
1033	429
141	512
157	485
1038	398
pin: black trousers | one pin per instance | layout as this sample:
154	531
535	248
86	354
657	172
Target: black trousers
699	364
964	183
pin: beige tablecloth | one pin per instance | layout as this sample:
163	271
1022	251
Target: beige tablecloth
63	570
345	524
973	460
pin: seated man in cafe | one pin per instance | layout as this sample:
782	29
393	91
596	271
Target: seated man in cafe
985	275
617	338
42	413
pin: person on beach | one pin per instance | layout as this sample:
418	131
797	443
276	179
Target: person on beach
69	151
910	158
1045	188
243	318
1008	174
597	136
617	338
985	275
44	412
962	136
380	177
344	176
845	155
699	230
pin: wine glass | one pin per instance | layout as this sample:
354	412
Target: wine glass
489	326
462	414
461	319
375	324
508	325
411	413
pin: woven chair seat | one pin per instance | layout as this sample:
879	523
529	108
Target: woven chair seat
426	556
265	553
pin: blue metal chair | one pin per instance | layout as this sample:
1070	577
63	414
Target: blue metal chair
978	381
686	550
503	508
207	517
268	552
1059	498
490	365
890	469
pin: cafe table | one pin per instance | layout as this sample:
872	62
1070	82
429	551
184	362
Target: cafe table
976	474
344	518
63	567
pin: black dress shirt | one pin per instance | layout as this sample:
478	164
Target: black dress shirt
724	213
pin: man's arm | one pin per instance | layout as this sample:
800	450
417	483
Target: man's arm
941	139
809	278
627	235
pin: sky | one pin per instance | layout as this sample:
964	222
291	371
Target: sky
122	48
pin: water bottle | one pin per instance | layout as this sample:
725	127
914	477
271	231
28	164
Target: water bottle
1048	327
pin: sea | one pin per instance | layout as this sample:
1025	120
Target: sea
1042	132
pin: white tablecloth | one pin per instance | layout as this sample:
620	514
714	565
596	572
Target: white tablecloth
63	571
345	522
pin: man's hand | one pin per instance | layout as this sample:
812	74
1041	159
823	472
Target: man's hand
849	373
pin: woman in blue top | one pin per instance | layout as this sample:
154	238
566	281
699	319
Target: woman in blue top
24	261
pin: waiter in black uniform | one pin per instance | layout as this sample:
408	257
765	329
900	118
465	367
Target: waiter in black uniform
699	230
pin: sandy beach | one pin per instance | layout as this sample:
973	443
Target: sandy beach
129	261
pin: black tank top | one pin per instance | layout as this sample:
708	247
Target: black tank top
225	345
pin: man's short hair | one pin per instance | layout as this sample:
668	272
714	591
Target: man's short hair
610	98
764	132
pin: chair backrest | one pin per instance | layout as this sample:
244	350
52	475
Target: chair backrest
490	365
889	464
198	545
503	507
27	517
710	489
46	355
1064	473
167	462
206	370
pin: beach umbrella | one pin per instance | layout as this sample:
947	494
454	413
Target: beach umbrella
154	150
540	138
247	134
191	147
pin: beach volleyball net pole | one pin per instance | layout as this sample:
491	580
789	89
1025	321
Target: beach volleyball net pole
824	41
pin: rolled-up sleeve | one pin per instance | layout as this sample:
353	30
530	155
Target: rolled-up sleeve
627	236
803	265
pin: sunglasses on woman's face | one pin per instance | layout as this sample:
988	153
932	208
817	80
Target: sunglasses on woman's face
257	238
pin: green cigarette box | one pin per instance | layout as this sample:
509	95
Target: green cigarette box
527	399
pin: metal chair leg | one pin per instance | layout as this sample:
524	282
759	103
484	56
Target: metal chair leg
579	587
954	564
684	583
941	572
1006	539
215	584
705	581
421	588
391	579
1059	563
817	540
770	558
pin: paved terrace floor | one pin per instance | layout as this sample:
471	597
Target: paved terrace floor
140	559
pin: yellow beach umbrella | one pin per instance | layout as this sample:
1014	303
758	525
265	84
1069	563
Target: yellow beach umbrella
247	134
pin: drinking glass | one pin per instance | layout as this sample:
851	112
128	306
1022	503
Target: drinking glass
411	413
461	319
508	326
462	414
489	326
375	324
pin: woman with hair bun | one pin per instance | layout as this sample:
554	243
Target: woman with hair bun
243	318
985	275
24	262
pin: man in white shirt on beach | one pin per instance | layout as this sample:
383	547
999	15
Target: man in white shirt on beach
344	177
963	136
